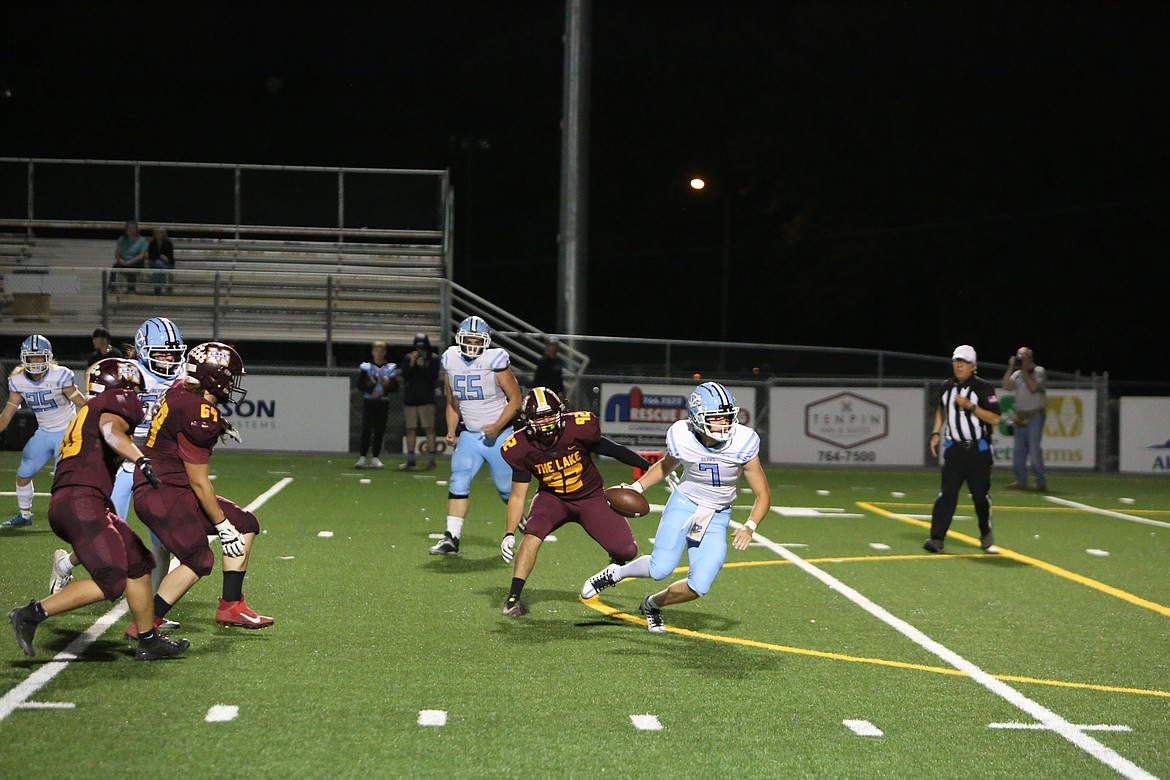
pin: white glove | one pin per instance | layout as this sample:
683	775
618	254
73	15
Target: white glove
672	480
508	547
229	537
367	367
230	432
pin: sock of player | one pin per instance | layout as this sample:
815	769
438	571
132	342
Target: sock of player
454	525
517	588
24	498
233	585
639	567
161	607
64	567
651	602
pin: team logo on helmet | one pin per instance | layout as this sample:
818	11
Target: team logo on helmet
544	414
159	347
473	337
111	373
219	369
713	412
36	347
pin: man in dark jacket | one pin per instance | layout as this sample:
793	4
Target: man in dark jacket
419	372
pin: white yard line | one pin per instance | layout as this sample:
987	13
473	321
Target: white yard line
17	697
1046	717
1106	512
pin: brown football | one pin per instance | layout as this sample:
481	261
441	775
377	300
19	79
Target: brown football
626	502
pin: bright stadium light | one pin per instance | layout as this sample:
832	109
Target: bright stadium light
697	183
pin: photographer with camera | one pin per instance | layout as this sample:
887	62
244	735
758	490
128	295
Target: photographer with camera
420	378
1026	380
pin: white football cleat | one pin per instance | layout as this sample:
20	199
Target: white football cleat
62	571
606	578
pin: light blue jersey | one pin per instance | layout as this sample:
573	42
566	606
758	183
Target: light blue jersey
45	397
707	487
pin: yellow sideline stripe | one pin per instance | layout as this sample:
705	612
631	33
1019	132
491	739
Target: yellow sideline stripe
1039	564
596	604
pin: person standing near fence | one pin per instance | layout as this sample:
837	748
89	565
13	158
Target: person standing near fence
1027	381
376	379
967	409
420	375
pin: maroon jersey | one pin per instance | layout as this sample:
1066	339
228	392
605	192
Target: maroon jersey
185	428
565	467
86	460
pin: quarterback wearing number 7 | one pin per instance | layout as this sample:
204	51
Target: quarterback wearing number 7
713	449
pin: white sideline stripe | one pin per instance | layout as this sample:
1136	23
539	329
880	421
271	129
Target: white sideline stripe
432	717
812	511
645	723
16	697
1045	716
35	495
1106	512
47	705
222	713
1042	727
863	728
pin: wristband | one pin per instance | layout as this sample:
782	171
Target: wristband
637	486
751	525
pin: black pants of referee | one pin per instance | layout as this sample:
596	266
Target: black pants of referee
375	413
962	463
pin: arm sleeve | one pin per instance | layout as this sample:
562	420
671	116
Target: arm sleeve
520	475
605	446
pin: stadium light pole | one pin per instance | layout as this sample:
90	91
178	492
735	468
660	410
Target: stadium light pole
698	184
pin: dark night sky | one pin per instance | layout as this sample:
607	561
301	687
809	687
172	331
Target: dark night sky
901	175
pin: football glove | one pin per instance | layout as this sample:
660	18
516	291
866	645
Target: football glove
147	470
672	480
229	537
230	432
508	547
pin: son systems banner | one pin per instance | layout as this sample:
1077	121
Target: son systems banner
641	414
292	413
836	426
1144	441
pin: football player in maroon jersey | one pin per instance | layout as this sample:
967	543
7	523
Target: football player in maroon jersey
556	447
80	511
185	509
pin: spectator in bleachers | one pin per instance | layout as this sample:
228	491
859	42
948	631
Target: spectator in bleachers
161	256
102	348
129	252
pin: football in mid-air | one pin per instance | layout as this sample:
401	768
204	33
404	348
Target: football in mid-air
627	502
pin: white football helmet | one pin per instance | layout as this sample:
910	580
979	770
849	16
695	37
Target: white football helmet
159	347
473	337
713	400
36	346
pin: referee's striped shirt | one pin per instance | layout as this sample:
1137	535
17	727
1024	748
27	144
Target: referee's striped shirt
963	425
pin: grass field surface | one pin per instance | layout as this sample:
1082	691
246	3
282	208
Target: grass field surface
833	647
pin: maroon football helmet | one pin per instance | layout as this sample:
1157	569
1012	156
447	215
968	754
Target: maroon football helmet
544	414
218	369
110	373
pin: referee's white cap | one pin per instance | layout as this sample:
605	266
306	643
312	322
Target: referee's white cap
965	352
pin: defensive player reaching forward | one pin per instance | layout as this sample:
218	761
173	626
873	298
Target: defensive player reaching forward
481	389
97	440
50	392
185	510
713	449
557	449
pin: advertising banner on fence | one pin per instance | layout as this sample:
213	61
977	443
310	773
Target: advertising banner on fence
1070	431
837	426
641	414
1144	435
292	413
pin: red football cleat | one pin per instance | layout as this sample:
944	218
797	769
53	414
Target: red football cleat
238	613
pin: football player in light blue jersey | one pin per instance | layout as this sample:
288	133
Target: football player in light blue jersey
50	392
713	449
159	350
481	389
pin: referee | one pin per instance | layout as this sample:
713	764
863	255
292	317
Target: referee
969	408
